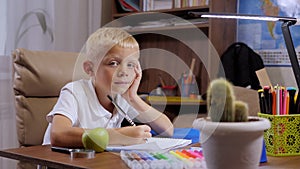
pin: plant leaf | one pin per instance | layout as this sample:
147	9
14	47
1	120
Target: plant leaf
42	20
49	30
41	17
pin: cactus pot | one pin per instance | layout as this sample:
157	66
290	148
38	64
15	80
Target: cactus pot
232	145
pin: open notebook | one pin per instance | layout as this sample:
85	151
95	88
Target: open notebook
154	143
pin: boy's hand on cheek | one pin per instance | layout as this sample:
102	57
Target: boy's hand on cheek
131	93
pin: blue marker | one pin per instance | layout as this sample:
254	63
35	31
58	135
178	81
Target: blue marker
147	156
152	161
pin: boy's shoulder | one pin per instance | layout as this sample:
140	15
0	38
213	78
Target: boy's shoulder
78	84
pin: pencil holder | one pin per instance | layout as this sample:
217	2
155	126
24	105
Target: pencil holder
187	86
283	138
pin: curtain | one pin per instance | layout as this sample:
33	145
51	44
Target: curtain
68	22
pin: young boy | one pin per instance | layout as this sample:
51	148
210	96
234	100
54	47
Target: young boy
113	66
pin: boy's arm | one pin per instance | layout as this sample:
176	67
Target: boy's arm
157	120
64	135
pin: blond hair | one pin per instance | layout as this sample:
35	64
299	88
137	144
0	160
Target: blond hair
101	41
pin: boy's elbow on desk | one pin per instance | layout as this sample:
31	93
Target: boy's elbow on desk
164	126
56	140
170	131
169	127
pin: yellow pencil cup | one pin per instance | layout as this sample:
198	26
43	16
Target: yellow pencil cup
283	138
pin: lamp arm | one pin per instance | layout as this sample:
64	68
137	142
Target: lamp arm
291	50
293	56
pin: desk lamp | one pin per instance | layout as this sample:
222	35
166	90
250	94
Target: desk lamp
287	21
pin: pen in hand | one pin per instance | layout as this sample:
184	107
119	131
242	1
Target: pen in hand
121	110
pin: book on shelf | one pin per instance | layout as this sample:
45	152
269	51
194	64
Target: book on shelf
162	4
150	5
128	5
134	4
189	3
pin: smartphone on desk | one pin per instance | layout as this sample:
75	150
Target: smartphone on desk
75	153
62	150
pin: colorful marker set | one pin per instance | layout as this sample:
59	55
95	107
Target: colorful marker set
278	100
179	159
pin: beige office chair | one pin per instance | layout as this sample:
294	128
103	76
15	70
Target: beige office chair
37	79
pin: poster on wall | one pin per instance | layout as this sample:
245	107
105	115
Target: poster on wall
266	37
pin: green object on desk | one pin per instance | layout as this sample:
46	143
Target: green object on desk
95	139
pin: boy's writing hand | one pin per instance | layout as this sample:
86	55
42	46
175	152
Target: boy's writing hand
134	134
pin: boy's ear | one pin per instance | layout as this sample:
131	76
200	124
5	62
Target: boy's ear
88	68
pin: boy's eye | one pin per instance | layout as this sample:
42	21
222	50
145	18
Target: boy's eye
130	65
114	63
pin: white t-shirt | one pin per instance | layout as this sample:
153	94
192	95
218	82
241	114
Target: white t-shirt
79	103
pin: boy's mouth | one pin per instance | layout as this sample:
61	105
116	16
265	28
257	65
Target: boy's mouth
122	83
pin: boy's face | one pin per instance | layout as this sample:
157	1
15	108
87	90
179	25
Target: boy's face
116	71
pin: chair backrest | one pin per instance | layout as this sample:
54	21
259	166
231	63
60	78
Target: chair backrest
37	79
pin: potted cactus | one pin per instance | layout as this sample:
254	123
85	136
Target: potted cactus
229	137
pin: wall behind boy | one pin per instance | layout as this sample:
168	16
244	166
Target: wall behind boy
282	76
266	37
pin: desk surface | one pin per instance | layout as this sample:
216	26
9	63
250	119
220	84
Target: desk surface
44	156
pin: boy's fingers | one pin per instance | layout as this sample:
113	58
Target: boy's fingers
138	70
147	135
146	128
138	66
145	131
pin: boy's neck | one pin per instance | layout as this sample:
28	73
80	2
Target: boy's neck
106	103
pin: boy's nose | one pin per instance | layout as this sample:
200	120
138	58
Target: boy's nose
122	72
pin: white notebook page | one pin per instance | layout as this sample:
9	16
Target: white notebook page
154	143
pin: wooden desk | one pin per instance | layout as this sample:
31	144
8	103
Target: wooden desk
44	156
289	162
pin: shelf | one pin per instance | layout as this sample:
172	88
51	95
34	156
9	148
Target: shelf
173	100
173	10
149	31
166	28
